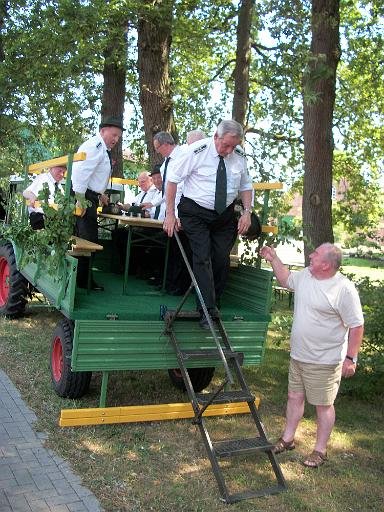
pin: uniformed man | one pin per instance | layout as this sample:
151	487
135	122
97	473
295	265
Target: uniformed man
214	172
89	180
52	178
178	279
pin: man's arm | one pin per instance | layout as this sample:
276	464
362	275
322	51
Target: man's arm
30	196
245	219
355	339
170	219
281	271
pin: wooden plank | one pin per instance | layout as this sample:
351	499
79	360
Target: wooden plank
124	181
140	413
269	229
143	222
61	160
85	245
268	186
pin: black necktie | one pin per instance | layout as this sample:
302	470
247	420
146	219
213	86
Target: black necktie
221	187
165	175
142	197
157	211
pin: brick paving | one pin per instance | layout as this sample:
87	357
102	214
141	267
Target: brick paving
33	478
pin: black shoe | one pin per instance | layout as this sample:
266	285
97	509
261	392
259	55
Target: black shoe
203	322
97	287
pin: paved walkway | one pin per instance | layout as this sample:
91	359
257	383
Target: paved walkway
33	478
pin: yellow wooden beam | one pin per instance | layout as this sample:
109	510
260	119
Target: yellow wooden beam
61	160
124	181
270	229
268	186
139	413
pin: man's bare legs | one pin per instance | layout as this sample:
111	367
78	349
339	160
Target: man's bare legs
294	413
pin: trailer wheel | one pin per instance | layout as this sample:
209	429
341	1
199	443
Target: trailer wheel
200	378
65	382
13	286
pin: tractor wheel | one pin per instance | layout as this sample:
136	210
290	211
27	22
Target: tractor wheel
200	378
65	382
13	286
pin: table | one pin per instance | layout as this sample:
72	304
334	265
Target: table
156	238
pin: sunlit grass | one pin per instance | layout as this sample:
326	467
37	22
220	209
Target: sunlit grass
162	466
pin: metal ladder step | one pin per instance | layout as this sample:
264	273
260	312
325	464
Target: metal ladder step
229	448
211	354
225	397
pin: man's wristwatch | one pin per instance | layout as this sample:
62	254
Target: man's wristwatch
247	210
353	359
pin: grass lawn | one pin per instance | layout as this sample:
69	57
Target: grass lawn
361	267
162	466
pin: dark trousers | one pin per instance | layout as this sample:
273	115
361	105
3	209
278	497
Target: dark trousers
211	237
36	220
178	278
86	227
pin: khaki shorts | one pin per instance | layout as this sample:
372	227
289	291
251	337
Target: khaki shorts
319	382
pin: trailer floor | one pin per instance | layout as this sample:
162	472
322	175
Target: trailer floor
142	301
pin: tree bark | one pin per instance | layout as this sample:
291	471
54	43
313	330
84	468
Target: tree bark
319	86
243	59
3	14
114	74
154	41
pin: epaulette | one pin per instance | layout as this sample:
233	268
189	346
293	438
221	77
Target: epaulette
98	145
239	151
200	149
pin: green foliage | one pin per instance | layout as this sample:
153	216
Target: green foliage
352	212
369	379
281	326
49	244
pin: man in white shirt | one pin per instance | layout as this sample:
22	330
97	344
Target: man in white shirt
89	181
178	278
326	335
147	193
214	172
52	178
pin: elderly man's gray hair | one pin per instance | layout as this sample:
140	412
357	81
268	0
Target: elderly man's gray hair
195	135
333	255
164	138
230	126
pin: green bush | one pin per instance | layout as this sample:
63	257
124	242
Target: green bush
369	379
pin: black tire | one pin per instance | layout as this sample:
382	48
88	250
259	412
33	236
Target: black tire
13	286
200	378
65	382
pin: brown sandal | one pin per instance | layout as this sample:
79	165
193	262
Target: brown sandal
315	459
282	446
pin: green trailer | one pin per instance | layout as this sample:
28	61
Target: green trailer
131	326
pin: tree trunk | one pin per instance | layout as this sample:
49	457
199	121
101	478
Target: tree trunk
319	87
154	41
243	59
3	14
114	74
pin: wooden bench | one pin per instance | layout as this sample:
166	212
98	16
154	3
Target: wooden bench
85	248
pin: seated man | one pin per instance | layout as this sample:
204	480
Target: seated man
52	178
147	192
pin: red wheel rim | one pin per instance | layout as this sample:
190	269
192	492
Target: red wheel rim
4	281
57	359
